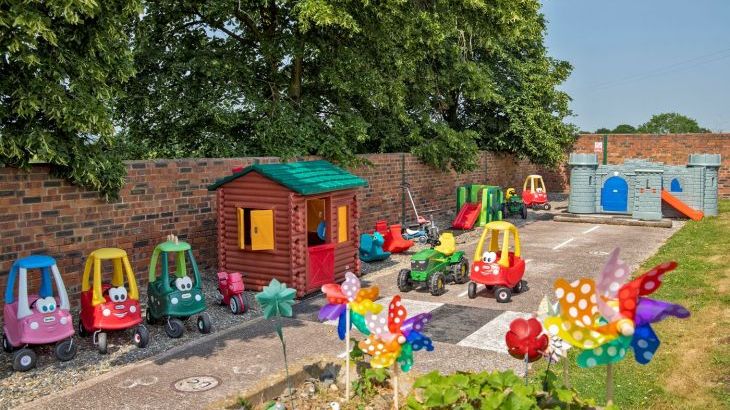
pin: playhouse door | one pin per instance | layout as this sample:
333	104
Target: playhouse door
615	195
321	266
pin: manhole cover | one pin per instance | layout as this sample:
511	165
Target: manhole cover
196	384
598	253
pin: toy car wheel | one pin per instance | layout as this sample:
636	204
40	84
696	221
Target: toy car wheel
80	329
148	316
174	328
520	287
535	207
461	271
101	343
205	325
546	206
436	284
141	336
523	212
24	360
219	297
233	305
404	280
65	350
423	239
7	346
236	304
503	294
472	290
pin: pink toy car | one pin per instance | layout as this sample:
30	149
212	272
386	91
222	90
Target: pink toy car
230	291
37	319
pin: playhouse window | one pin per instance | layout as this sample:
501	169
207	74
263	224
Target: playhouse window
317	222
342	224
255	228
675	185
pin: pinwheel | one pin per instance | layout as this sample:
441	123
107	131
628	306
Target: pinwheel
526	341
608	318
348	303
394	338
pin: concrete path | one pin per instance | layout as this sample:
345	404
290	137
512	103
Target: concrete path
468	333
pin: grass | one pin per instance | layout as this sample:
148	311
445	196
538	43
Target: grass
692	366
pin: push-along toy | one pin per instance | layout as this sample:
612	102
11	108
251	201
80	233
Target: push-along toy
435	266
175	299
534	193
513	204
37	319
424	228
498	268
230	291
108	307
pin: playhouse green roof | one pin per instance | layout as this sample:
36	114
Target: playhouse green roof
305	178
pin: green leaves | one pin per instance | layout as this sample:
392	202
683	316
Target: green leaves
276	300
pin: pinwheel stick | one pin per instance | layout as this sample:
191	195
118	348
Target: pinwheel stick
609	384
395	386
347	350
527	368
566	379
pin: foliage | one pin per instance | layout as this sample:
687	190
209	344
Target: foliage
62	68
492	390
370	379
438	78
671	123
620	129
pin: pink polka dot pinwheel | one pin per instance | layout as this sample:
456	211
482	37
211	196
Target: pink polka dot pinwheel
608	318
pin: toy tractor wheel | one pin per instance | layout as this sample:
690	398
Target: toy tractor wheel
404	280
520	287
546	206
461	271
436	284
205	325
505	210
141	336
174	328
66	350
472	290
80	329
503	294
24	360
523	212
101	343
7	346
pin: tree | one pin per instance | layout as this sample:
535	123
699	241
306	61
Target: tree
671	123
63	65
604	131
624	129
438	78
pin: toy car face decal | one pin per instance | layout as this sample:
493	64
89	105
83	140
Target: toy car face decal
46	305
184	284
118	294
489	257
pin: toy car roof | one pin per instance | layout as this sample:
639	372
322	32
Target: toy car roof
34	262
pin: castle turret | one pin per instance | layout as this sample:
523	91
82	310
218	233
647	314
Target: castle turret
711	165
582	183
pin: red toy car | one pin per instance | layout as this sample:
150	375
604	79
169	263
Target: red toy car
502	274
534	193
230	291
109	306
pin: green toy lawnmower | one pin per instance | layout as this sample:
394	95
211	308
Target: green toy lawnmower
435	266
513	204
174	299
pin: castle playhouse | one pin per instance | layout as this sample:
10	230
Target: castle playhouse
643	189
296	222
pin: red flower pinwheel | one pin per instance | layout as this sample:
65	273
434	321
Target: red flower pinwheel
525	337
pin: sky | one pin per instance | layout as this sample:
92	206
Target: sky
636	58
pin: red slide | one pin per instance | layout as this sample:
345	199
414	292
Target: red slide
467	216
680	206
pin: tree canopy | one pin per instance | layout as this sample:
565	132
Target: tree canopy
62	66
667	123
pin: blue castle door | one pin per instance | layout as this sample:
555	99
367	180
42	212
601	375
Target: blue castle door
615	195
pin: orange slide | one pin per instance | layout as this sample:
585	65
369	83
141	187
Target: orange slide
680	206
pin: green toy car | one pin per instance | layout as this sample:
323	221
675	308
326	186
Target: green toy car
513	205
435	267
174	299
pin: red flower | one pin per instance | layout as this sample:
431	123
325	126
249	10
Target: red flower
525	337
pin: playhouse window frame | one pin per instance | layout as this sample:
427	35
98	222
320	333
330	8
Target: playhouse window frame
249	221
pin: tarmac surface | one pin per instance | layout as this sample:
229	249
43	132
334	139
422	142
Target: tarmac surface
468	333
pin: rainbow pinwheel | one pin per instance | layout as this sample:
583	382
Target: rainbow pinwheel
395	338
608	318
349	294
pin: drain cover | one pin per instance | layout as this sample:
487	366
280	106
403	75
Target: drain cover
196	384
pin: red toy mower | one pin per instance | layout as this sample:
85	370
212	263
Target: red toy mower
106	306
499	270
230	291
534	193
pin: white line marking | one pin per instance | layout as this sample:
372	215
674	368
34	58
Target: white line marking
563	244
342	355
592	229
491	335
480	287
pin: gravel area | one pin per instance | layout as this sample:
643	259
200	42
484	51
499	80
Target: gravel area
51	376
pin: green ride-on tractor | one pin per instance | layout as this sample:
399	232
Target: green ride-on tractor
436	266
513	204
174	299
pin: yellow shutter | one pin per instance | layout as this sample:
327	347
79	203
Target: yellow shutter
241	228
342	223
262	230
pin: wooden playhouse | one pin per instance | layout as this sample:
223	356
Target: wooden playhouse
296	222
